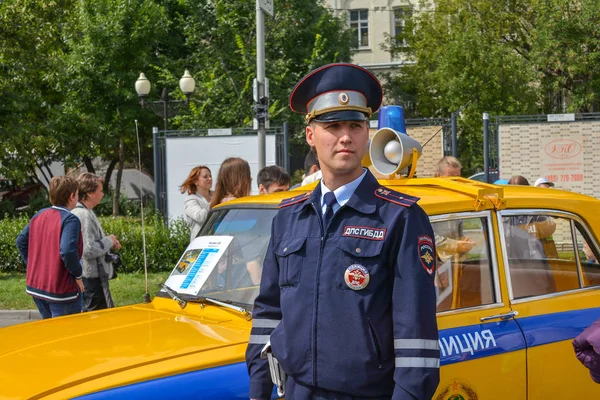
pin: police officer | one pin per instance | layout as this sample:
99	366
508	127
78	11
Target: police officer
347	294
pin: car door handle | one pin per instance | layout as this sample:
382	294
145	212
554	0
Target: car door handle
503	317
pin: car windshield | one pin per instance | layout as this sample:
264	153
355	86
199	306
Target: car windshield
236	277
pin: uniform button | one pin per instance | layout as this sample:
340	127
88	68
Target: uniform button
358	250
284	250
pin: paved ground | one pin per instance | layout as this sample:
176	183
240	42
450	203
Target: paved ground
13	317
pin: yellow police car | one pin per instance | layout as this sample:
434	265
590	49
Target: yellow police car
517	279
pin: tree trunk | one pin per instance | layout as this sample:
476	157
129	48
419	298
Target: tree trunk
119	176
108	174
49	170
46	178
88	164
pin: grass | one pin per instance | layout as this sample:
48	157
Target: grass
126	289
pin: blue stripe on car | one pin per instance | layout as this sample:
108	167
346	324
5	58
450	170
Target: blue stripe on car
226	382
551	328
456	345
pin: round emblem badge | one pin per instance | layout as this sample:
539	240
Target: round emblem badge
343	98
357	277
457	391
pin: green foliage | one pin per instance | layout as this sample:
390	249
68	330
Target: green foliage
10	259
164	244
68	83
37	202
297	177
513	58
7	209
127	207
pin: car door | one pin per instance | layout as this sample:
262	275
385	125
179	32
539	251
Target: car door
482	348
555	295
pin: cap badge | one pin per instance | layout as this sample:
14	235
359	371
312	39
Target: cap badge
357	277
343	98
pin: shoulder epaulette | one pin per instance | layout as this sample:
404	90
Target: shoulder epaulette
395	197
294	200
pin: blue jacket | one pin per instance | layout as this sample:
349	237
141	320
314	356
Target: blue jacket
381	338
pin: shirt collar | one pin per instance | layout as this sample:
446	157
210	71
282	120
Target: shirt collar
61	208
343	193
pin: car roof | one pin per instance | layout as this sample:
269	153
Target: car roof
453	194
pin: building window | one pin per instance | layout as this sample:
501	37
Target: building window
401	15
359	23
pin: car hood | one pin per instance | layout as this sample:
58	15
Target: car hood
74	355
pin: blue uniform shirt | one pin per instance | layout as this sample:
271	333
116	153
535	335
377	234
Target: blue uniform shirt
350	310
342	194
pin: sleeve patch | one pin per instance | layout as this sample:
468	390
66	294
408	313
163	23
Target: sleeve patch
395	197
426	253
294	200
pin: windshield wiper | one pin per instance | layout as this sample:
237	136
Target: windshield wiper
173	294
241	310
183	303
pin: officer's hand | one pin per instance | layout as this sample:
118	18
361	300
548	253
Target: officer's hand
465	245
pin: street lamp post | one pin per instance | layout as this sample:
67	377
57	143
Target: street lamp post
165	107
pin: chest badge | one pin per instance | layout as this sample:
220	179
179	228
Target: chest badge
357	277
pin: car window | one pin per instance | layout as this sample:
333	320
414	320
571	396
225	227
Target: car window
588	256
465	270
237	275
540	254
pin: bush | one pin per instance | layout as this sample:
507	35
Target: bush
127	207
10	259
164	245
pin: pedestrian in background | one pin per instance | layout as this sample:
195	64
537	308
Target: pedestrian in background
543	182
272	179
347	299
196	204
312	168
449	237
97	260
234	181
448	166
51	246
518	180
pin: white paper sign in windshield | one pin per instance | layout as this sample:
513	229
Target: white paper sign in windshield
197	263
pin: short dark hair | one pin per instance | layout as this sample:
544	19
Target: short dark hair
61	189
518	180
310	160
272	174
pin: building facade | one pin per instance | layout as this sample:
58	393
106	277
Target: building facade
373	22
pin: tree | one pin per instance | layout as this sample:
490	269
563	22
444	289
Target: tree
509	57
29	69
301	36
108	41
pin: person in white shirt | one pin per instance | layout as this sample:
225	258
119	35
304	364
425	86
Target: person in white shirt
543	182
196	203
312	169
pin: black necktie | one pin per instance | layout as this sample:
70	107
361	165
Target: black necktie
330	200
